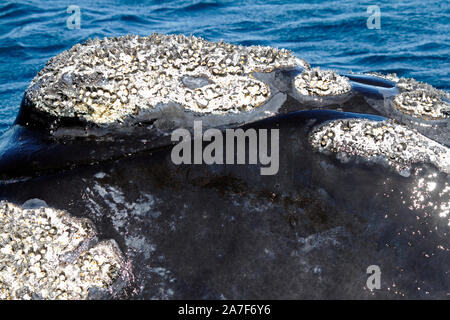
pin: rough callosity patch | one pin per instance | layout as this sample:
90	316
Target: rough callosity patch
395	143
421	100
410	84
45	254
317	82
103	81
425	104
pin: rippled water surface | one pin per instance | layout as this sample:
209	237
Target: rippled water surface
414	39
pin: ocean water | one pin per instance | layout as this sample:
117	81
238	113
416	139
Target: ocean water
413	39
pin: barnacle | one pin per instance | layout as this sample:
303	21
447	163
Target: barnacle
44	254
317	82
421	100
118	74
388	140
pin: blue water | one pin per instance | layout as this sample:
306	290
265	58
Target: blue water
414	39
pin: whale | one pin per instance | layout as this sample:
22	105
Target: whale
363	177
102	128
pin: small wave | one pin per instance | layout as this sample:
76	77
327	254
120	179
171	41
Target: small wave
190	8
14	11
202	5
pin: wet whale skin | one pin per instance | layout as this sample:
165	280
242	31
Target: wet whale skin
311	231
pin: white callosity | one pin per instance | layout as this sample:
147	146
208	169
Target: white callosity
45	254
103	81
421	100
317	82
396	144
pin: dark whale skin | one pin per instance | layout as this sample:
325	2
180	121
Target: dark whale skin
225	231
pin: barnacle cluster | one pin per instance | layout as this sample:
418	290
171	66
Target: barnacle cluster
317	82
45	254
421	100
108	80
395	143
